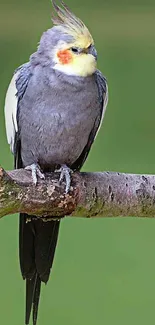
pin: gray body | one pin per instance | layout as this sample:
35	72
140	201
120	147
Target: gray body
56	116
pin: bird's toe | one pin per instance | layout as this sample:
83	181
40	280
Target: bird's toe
36	172
65	174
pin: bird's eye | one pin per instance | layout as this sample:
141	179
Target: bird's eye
75	50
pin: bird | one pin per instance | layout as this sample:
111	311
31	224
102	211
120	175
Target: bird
54	107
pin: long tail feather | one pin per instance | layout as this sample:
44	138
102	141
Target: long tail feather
36	300
30	290
37	244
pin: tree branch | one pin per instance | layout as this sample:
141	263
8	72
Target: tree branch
92	195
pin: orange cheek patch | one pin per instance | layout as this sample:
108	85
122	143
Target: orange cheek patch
65	56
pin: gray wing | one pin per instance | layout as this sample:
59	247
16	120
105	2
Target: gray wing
22	81
103	99
15	92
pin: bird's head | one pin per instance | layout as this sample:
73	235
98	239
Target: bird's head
71	45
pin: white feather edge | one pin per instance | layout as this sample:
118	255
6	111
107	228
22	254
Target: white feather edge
105	103
10	111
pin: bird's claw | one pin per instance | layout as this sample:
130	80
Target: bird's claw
36	172
65	174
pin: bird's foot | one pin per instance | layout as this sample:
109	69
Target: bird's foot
36	172
65	173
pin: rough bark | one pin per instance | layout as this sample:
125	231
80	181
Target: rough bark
92	195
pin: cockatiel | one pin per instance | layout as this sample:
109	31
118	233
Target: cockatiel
53	109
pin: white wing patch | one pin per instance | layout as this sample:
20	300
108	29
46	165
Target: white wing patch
11	111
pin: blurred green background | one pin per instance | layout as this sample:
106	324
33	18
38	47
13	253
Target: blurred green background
104	270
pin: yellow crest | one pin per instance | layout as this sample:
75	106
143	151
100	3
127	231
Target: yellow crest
71	25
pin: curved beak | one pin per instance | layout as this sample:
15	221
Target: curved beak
92	51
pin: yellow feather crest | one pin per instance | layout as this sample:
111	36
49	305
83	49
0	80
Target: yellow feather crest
71	25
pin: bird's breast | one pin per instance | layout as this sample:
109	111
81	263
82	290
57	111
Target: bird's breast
55	125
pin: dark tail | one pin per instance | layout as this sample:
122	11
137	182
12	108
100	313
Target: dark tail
37	244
